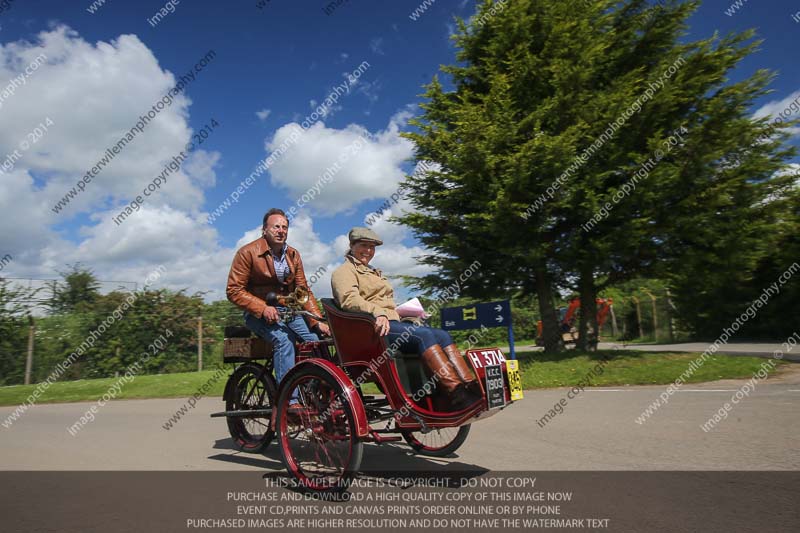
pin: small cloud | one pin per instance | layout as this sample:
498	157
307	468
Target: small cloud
452	29
376	45
324	111
263	114
343	57
369	89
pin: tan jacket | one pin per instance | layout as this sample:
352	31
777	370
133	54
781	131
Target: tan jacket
252	277
357	287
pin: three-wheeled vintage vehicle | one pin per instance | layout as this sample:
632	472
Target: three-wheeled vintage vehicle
321	437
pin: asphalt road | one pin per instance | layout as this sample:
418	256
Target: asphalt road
596	431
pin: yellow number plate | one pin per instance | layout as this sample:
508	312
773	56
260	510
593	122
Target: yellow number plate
514	379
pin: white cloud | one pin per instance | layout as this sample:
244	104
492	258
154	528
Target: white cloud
784	110
94	94
199	167
372	172
263	114
89	116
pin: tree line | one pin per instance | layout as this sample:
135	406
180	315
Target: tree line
75	308
578	146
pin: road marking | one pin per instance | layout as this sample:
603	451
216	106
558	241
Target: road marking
794	390
682	390
707	390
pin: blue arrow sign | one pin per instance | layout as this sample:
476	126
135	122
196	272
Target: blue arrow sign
489	314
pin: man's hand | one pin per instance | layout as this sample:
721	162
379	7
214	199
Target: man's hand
382	325
324	329
271	314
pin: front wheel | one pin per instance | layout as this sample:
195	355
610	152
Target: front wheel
252	387
317	434
437	442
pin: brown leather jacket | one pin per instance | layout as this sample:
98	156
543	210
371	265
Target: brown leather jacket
252	277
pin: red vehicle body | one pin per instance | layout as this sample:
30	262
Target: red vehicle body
321	439
568	316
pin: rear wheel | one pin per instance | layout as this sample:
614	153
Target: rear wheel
252	388
437	442
317	435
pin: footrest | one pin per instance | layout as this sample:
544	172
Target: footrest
250	413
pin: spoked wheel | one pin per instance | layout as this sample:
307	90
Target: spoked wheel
317	435
437	442
252	388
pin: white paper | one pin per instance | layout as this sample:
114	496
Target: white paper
411	308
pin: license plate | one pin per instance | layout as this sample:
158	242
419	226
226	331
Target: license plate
495	387
514	379
485	357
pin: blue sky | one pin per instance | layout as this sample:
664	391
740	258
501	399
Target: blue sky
272	67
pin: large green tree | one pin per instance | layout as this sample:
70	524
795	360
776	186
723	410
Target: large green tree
554	106
79	286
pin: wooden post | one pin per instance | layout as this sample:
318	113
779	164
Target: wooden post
29	358
638	315
655	317
614	329
200	344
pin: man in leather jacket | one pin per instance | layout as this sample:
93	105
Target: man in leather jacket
267	265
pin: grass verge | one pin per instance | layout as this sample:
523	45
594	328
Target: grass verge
628	367
180	385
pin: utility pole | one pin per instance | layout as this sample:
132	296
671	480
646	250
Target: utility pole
200	344
29	359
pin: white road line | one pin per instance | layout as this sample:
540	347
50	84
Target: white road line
707	390
794	390
687	390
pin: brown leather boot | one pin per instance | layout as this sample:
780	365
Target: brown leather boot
471	383
461	366
460	397
436	360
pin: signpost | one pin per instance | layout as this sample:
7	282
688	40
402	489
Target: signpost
489	315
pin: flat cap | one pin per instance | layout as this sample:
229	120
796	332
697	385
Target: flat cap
364	234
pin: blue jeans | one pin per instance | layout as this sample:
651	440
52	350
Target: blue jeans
282	336
418	338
